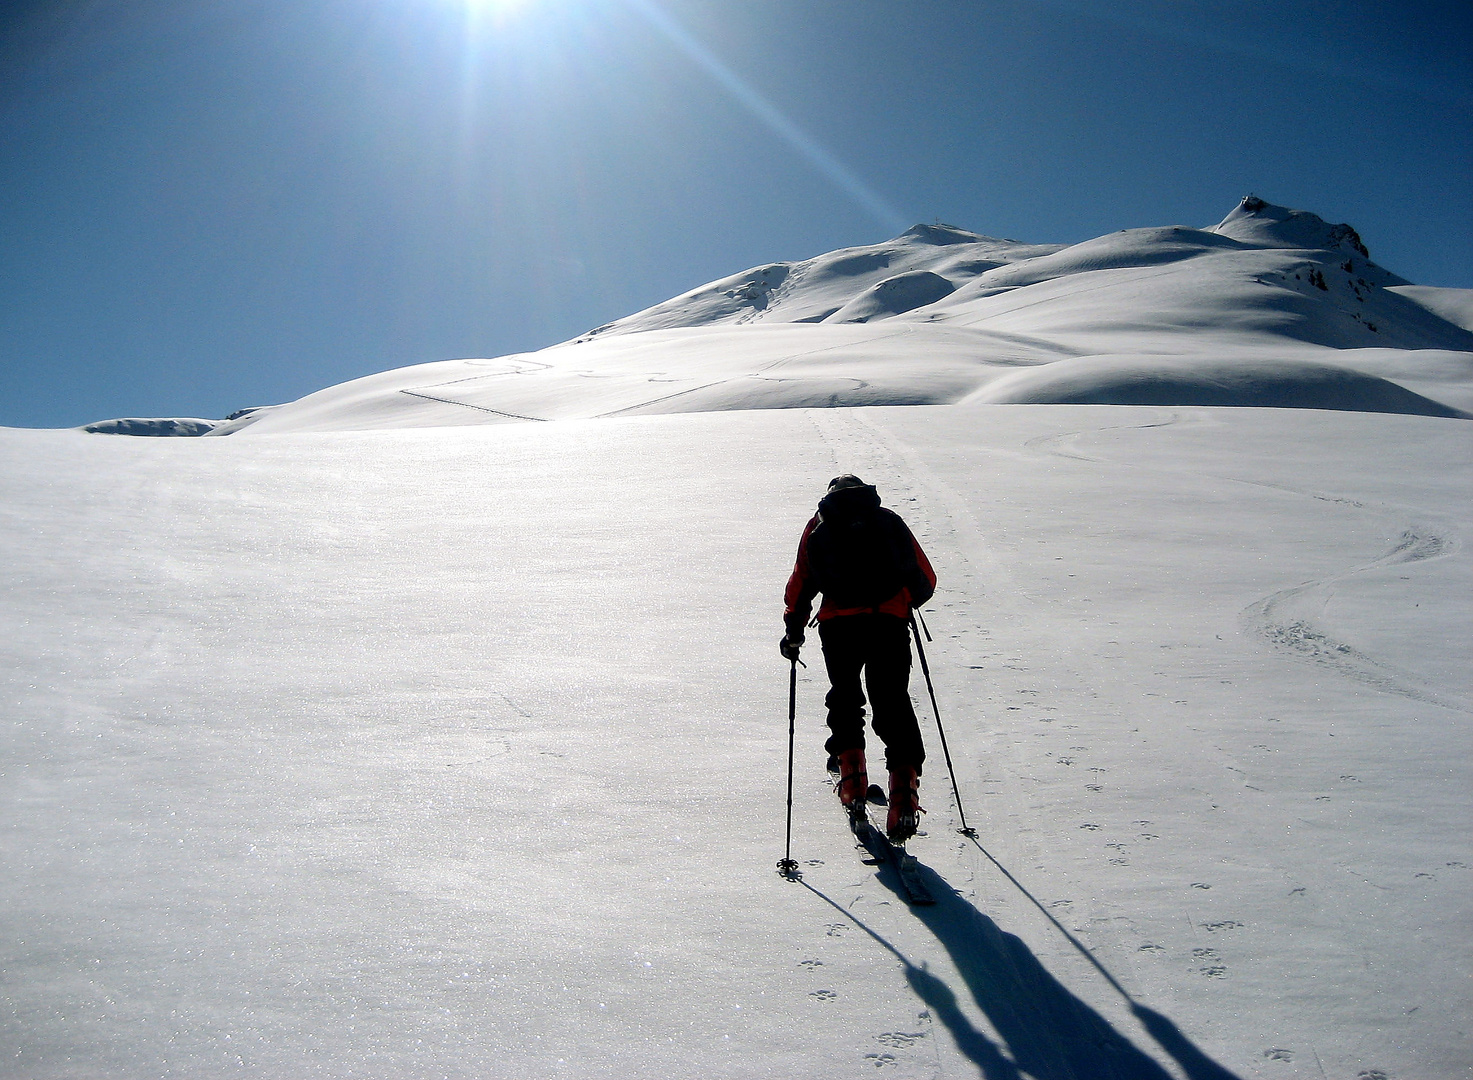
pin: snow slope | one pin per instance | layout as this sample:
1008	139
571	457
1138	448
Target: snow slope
1271	307
461	752
1454	305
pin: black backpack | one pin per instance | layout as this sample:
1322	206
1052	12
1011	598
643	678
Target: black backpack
859	553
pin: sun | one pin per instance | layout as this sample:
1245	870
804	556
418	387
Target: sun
496	9
480	15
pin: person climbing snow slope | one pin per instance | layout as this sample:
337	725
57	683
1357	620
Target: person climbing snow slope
871	571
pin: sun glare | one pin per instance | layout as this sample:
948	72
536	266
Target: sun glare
495	9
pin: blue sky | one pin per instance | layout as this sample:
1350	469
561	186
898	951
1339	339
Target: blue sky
208	205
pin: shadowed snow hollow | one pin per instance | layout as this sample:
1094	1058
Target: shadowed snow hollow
1174	380
894	296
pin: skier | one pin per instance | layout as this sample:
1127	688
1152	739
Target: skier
871	572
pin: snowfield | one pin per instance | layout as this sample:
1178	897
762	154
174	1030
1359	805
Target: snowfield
400	737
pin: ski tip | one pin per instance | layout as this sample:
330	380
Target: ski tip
875	796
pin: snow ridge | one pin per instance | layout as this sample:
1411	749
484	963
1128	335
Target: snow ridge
1271	307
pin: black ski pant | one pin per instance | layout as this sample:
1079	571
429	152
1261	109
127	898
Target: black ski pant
879	646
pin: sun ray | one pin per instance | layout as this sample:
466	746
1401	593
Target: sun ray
818	156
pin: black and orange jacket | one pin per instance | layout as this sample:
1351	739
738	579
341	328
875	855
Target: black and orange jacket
802	587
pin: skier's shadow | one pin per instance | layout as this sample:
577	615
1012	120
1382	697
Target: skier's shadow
1049	1033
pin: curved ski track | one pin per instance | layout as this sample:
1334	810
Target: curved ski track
1288	618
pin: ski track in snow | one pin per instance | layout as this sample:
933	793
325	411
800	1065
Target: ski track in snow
1290	620
860	442
1217	941
514	367
1063	444
758	374
466	404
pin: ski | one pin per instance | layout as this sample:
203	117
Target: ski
869	840
879	850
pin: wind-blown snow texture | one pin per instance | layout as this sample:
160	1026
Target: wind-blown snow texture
1271	307
461	752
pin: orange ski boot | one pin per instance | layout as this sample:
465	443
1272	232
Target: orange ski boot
905	806
853	781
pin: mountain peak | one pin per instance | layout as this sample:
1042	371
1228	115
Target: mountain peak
941	235
1261	223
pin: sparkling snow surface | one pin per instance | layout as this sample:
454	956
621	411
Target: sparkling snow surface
461	752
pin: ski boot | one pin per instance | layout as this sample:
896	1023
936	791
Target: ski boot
905	807
853	781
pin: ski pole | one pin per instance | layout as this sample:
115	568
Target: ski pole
787	867
965	830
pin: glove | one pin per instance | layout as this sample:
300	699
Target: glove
789	646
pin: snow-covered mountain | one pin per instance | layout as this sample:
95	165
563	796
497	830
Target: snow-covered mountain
913	270
1270	307
462	752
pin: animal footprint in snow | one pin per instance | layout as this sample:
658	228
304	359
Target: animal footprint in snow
1090	827
880	1061
1066	761
1093	787
1279	1055
1200	885
824	995
1150	946
900	1039
1213	971
1371	1074
1205	954
1457	865
810	964
834	929
1226	924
